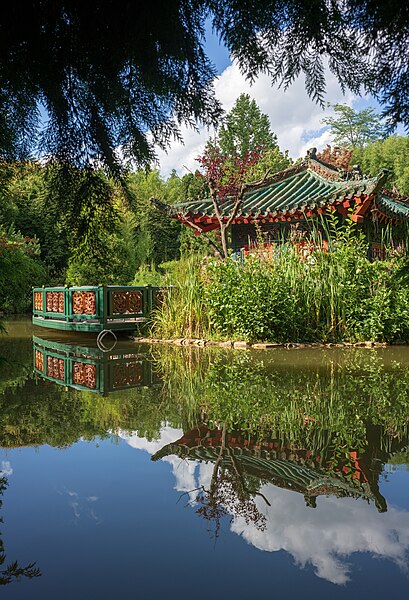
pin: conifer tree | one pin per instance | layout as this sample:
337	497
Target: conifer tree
246	129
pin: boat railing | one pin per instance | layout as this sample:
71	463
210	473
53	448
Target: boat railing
96	307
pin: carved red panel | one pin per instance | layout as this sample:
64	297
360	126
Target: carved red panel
134	302
55	367
54	302
39	360
126	302
84	374
84	303
38	300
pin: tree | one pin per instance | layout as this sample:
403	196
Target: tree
87	205
246	129
19	270
125	78
106	77
227	178
240	157
391	153
26	207
156	235
351	128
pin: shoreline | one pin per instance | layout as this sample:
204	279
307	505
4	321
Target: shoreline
243	345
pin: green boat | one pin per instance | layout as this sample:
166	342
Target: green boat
94	308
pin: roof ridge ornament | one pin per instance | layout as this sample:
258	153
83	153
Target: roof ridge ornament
312	153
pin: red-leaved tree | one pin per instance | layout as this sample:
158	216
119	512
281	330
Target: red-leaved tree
228	179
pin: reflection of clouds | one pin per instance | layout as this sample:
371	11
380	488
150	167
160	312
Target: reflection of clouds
80	507
167	435
6	469
324	537
185	472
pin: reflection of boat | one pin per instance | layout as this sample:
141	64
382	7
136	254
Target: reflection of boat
284	466
88	368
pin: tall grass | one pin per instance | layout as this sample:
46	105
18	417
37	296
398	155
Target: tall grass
183	313
325	296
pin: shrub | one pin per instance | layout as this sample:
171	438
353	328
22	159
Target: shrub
335	296
332	296
19	271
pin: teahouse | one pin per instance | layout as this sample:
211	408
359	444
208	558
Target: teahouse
293	198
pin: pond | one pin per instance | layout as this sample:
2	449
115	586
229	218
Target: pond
144	470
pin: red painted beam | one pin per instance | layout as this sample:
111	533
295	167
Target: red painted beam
359	214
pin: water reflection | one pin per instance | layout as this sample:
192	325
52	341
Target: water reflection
88	368
285	449
328	538
12	571
263	491
242	464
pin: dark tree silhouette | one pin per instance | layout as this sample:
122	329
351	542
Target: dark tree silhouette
12	571
127	75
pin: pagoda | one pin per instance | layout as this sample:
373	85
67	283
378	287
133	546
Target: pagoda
301	195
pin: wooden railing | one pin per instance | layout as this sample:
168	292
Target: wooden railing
94	308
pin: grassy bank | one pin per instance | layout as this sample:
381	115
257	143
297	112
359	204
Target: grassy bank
336	296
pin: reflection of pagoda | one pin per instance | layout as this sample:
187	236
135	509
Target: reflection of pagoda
269	460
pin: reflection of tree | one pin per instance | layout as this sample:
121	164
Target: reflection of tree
229	492
338	392
13	571
243	463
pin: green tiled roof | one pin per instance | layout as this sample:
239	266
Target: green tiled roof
393	207
308	185
280	472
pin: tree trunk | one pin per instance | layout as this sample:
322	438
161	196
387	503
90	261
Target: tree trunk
223	236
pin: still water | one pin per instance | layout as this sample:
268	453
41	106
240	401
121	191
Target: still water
160	472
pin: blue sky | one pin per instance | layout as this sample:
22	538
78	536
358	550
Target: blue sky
294	117
216	51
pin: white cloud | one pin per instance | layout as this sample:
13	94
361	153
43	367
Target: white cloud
292	115
6	469
327	536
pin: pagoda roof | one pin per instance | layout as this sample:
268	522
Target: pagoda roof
392	205
289	470
307	188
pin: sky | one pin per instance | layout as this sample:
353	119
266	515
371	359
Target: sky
294	118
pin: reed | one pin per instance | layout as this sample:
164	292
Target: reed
318	296
324	296
183	312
